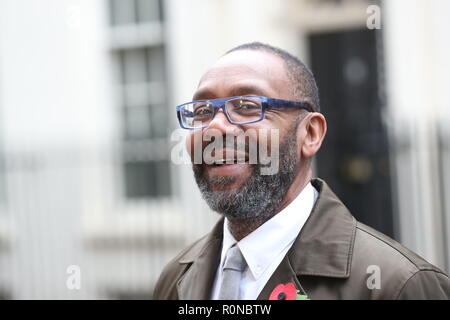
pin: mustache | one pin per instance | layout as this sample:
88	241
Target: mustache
229	143
226	149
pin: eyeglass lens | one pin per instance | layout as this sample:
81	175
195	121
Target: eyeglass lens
239	110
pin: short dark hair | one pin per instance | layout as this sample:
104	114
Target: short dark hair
303	83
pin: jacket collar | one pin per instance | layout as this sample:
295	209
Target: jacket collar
323	248
204	256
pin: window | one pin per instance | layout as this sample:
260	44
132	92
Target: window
143	91
135	11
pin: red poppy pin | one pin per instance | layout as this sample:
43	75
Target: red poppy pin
287	291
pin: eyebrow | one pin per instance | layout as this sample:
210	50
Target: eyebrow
240	90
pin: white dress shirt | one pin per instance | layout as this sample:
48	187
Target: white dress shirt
265	247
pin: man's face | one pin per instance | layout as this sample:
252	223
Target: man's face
238	189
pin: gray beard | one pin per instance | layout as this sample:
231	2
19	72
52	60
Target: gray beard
260	196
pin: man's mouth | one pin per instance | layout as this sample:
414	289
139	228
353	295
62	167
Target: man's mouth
227	164
229	161
226	157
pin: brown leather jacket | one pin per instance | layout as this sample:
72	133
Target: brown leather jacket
333	257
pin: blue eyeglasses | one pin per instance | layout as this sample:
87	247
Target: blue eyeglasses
238	110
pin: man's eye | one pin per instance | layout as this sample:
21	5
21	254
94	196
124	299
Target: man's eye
246	105
202	111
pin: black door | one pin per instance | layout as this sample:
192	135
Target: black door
354	157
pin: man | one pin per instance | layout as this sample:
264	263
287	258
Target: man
280	231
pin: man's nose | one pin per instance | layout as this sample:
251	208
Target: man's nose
220	122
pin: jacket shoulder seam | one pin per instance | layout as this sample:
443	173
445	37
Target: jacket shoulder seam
400	291
404	285
418	268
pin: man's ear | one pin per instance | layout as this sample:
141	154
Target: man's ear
314	131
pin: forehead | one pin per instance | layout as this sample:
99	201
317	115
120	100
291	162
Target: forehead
245	72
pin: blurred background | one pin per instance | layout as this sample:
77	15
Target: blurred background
88	90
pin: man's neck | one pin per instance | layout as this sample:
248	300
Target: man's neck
241	228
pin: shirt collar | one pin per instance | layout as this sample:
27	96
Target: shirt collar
276	234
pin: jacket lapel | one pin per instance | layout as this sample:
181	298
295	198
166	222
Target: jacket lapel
197	281
282	275
323	247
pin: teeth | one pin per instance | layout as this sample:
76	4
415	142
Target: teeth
231	160
222	161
